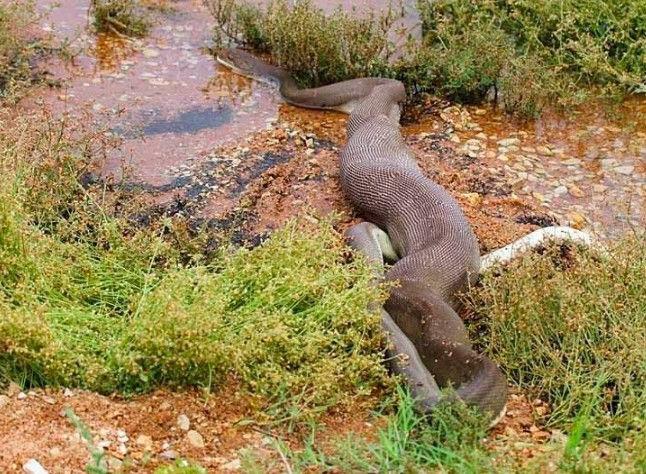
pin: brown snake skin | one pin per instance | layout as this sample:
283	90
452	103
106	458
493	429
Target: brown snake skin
414	223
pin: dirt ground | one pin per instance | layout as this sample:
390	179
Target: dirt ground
288	170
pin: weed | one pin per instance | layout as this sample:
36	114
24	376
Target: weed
89	300
97	465
16	49
122	17
450	440
181	467
531	53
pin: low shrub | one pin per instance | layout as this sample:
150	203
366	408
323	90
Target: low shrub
123	17
573	336
15	48
530	53
88	300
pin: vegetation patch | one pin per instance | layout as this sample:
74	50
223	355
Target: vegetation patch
527	54
16	50
122	17
88	300
573	333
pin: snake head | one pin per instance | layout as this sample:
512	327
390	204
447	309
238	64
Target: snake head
246	64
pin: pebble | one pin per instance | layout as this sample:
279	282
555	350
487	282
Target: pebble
150	53
576	191
195	439
233	465
4	400
145	442
626	170
169	454
183	422
508	142
21	396
34	467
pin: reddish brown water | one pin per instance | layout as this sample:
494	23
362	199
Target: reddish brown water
169	102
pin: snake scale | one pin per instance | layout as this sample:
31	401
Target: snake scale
413	223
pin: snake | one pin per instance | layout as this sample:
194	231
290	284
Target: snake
416	228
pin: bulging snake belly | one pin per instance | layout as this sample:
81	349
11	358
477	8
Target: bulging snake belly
410	221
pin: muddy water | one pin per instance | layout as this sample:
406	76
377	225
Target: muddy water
170	105
163	95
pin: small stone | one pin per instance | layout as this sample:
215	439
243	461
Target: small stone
560	190
507	142
55	452
169	454
145	442
195	439
21	396
626	170
13	389
233	465
34	467
68	393
150	53
4	400
576	220
114	464
543	150
576	191
474	199
183	422
49	400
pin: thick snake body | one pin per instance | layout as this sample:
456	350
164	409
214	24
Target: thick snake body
411	222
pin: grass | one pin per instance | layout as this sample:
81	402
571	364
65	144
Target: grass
89	300
448	441
121	17
16	49
530	54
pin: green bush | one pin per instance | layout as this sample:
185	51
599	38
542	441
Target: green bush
574	336
15	49
88	300
530	53
123	17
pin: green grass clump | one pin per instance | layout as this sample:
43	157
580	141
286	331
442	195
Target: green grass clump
574	336
88	300
528	53
450	440
123	17
317	48
15	48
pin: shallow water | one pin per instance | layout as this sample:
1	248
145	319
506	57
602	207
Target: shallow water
170	104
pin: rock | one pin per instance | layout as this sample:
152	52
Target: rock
233	465
4	400
195	439
169	454
507	142
114	464
150	53
55	452
145	442
543	150
68	393
34	467
13	389
575	191
576	220
474	199
183	422
626	170
49	400
21	396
